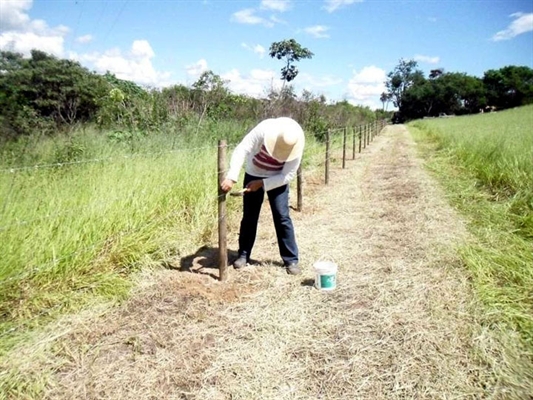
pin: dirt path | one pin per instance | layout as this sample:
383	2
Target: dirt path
396	327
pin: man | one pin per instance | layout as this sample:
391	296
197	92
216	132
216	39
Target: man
273	152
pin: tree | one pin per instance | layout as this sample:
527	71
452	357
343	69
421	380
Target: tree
209	92
384	98
435	73
510	86
445	93
291	51
402	78
44	89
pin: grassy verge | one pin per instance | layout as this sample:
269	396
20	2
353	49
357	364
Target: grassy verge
100	207
485	164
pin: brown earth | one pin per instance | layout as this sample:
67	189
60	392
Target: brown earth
397	326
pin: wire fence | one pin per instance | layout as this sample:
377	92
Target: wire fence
339	142
363	134
13	169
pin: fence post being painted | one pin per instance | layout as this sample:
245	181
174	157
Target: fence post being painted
326	178
344	148
299	188
222	225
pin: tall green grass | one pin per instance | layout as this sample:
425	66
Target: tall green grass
486	165
97	207
100	206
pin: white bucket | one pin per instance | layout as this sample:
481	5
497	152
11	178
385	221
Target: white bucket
325	275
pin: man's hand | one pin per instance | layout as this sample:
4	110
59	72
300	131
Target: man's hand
226	185
254	185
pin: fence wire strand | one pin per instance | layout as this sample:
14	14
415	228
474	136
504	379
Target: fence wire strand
14	169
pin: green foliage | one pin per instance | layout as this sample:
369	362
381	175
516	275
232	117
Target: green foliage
402	78
45	95
209	94
71	151
485	163
44	88
498	150
448	93
508	87
291	51
456	93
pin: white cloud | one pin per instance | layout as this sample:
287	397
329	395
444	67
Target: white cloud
311	83
257	49
136	65
276	5
256	84
13	15
276	20
25	42
427	59
522	23
84	39
141	49
247	16
318	31
332	5
196	69
21	34
366	86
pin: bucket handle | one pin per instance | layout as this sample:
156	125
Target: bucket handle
327	257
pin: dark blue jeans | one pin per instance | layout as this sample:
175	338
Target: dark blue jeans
279	204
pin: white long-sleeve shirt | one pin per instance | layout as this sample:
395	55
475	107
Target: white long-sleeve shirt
258	162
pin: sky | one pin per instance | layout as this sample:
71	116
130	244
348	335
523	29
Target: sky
356	43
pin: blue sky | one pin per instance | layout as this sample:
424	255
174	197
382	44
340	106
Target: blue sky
355	42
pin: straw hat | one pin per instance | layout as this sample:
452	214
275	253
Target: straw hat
284	139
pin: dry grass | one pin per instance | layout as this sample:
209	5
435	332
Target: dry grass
398	325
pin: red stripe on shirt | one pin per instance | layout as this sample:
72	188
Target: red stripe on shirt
264	161
266	167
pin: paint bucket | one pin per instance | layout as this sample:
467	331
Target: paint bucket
325	275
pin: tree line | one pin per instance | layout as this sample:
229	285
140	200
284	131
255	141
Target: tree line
45	94
453	93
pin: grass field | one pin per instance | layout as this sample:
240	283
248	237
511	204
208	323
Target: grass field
485	162
99	207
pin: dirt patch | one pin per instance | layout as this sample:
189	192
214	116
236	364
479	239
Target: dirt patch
396	327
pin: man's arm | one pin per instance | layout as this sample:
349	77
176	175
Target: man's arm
250	143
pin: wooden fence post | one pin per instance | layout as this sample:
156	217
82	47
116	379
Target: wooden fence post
360	137
365	141
344	148
222	224
326	178
354	130
299	188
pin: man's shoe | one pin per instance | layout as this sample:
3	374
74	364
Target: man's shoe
293	269
240	262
